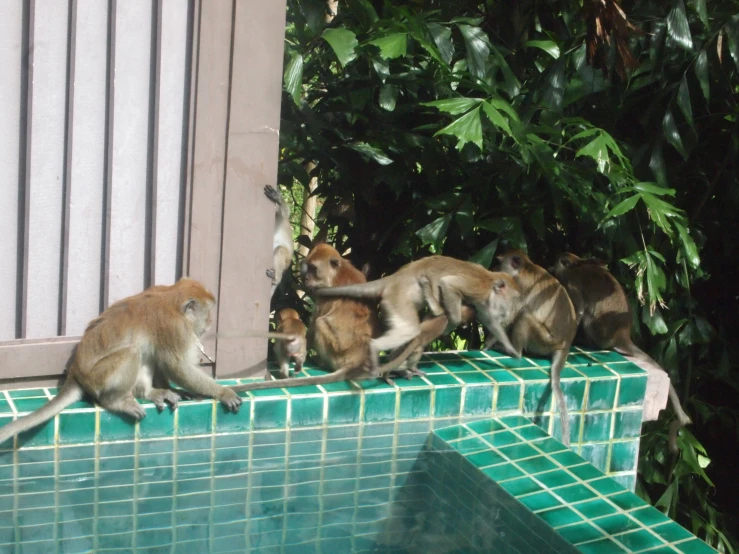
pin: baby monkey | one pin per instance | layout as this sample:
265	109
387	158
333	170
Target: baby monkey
133	350
290	346
605	317
282	243
546	324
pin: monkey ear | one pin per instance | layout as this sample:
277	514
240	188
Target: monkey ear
565	261
499	285
515	262
335	262
189	305
500	257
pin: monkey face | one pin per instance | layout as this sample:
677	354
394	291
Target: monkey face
320	267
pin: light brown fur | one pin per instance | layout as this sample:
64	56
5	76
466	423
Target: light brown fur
605	317
290	348
546	324
133	350
441	282
282	243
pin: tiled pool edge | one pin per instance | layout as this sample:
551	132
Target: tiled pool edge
584	506
605	394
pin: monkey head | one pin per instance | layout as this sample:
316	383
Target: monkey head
513	261
195	303
564	261
322	267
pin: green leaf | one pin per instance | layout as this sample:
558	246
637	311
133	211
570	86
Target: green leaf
293	77
700	8
484	256
343	42
364	10
672	135
549	46
597	150
371	152
382	68
503	106
652	188
654	321
465	217
555	91
701	72
656	282
454	106
678	28
732	33
688	246
467	128
388	97
392	46
683	101
657	211
623	207
435	232
478	49
443	38
511	84
496	118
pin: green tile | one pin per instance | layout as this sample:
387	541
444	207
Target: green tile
556	478
586	472
672	532
27	405
595	508
580	532
650	516
502	376
606	356
606	485
623	456
344	408
539	501
597	372
453	433
524	485
567	458
471	444
270	393
596	454
195	419
628	424
597	427
42	435
529	375
474	378
514	421
640	539
575	493
509	397
695	546
484	459
228	422
27	393
76	427
455	365
532	432
485	426
473	355
602	394
550	446
518	451
604	546
574	392
342	386
501	438
5	406
536	465
627	481
577	358
442	379
632	391
625	368
415	403
478	400
515	364
627	501
306	411
447	401
661	550
614	524
379	406
503	472
557	517
270	413
575	423
537	397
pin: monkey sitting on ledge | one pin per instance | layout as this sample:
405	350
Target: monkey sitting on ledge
133	350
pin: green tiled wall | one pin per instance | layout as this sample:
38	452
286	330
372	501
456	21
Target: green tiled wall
536	481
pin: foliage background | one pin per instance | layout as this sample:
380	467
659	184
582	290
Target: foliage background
606	129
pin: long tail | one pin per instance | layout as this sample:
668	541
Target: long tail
400	358
630	349
70	393
558	362
335	377
371	289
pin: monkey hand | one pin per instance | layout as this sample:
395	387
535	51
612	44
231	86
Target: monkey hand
271	193
161	396
230	399
270	273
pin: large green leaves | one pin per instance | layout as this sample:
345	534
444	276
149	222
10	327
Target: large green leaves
293	77
343	42
392	46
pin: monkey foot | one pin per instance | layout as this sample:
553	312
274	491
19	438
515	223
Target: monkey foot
414	372
162	397
270	273
388	380
271	193
231	400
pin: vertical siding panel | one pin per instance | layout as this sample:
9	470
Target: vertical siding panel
170	138
87	160
46	167
11	55
130	141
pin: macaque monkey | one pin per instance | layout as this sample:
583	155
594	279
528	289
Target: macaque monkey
294	348
133	350
421	282
605	317
283	240
546	324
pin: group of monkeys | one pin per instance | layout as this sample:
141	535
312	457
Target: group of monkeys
141	344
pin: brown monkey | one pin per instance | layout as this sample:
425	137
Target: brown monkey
546	324
133	349
405	292
605	317
289	323
282	243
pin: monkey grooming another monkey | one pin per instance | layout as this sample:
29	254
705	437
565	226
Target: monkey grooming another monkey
282	243
546	324
605	317
403	295
133	350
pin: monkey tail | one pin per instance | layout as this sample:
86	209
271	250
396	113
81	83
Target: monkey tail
371	289
335	377
400	358
71	392
630	349
558	362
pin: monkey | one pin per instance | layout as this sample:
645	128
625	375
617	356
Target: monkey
402	296
546	323
294	348
282	243
604	316
133	350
